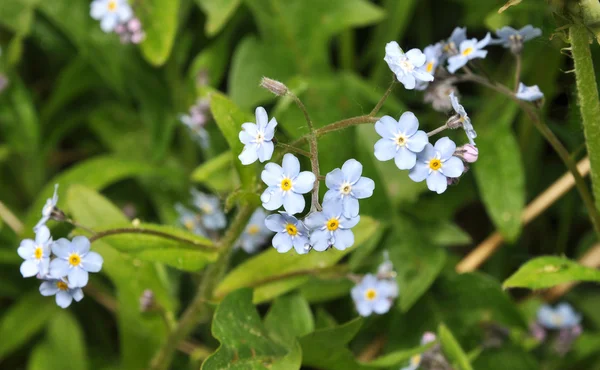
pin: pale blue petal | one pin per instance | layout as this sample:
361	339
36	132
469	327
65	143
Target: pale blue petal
48	288
249	155
262	118
405	159
456	62
270	129
300	244
352	170
350	207
545	316
419	172
332	196
63	299
423	75
92	262
78	277
426	154
77	294
245	137
98	9
58	268
478	54
29	268
437	182
348	223
26	249
386	127
387	288
382	305
408	81
445	147
385	149
364	308
343	239
282	242
265	151
250	128
363	188
453	167
408	123
417	142
332	209
293	203
304	182
315	220
319	239
272	174
108	22
334	179
80	244
416	57
61	248
42	235
124	12
291	165
275	222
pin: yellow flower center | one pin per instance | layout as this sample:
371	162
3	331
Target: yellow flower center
112	5
400	140
260	138
415	360
38	253
207	209
291	229
467	51
74	259
62	285
370	294
346	188
333	224
557	319
429	67
189	224
407	65
435	164
286	184
253	229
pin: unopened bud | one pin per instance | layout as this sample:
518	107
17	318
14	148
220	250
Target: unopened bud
467	152
454	122
273	86
58	215
146	300
428	337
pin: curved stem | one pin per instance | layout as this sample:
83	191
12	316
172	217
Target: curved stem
383	98
292	149
551	139
138	230
11	220
437	130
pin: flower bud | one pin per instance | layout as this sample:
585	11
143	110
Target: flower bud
428	337
273	86
437	94
468	153
146	300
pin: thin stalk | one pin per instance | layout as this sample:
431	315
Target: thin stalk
437	130
589	103
518	63
138	230
196	310
292	149
383	98
11	220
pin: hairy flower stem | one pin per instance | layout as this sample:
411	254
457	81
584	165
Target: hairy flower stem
140	230
517	71
383	98
562	152
194	313
292	149
589	103
314	153
437	130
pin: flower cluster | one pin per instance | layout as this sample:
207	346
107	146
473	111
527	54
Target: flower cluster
196	120
207	216
562	319
117	16
64	264
376	293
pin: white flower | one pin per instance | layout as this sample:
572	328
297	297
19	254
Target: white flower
257	138
110	13
406	66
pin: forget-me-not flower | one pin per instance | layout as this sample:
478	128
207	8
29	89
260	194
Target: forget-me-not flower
330	228
561	317
529	93
212	216
286	184
257	138
406	66
463	119
433	55
196	120
63	292
401	140
436	164
468	50
74	260
347	186
513	39
256	232
291	232
48	208
189	219
450	47
36	253
110	13
374	295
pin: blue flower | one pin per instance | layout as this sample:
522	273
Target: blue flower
450	47
433	55
74	260
36	253
374	295
331	228
48	208
63	292
256	233
400	140
212	216
291	232
529	93
561	317
406	67
110	13
436	164
463	119
286	185
469	49
347	187
257	138
196	121
514	39
190	220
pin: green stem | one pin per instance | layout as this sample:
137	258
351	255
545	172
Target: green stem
383	98
196	310
139	230
292	149
347	49
517	71
589	104
11	220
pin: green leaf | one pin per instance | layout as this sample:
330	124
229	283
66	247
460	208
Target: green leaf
452	349
245	342
272	273
289	318
66	339
326	348
509	357
42	357
230	118
24	319
217	173
218	13
546	272
159	18
131	277
96	173
501	178
397	358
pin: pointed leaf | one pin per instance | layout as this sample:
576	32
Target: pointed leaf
159	18
452	349
546	272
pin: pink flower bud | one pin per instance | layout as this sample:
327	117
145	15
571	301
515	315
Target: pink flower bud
134	25
138	37
428	337
120	28
273	86
468	153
